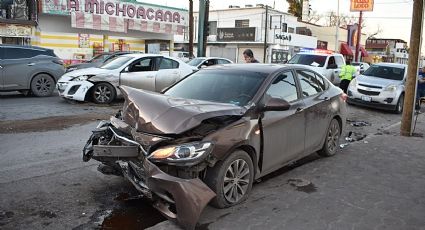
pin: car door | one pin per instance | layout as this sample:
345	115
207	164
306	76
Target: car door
283	131
18	67
317	106
140	74
168	73
222	61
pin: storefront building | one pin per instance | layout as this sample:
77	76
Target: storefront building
17	21
235	29
79	29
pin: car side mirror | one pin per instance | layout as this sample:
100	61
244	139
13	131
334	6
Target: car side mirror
276	104
332	66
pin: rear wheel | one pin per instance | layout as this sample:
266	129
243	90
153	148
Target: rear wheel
400	104
332	139
103	93
231	179
42	85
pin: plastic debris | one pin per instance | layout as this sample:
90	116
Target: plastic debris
343	145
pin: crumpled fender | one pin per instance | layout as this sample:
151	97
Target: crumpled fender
80	94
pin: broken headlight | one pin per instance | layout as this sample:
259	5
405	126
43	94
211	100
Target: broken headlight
186	153
81	78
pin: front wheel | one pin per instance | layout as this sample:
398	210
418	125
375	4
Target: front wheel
42	85
231	179
103	93
332	139
400	104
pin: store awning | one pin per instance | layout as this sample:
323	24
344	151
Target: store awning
363	51
345	50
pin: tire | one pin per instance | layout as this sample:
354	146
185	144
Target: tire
103	93
42	85
330	147
225	189
400	104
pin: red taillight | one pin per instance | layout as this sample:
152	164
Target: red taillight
344	97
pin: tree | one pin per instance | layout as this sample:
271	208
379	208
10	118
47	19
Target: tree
295	8
374	33
332	18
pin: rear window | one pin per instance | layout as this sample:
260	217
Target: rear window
308	59
386	72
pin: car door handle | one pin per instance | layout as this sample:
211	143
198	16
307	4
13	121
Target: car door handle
30	64
299	110
325	98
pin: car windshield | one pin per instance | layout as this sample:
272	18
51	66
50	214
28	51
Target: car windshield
99	58
195	61
386	72
115	62
223	86
308	59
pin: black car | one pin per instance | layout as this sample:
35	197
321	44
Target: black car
97	60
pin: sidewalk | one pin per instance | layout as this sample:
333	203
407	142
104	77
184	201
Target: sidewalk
376	183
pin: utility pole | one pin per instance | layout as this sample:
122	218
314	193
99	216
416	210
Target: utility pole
359	36
201	30
265	34
410	91
337	29
190	28
206	20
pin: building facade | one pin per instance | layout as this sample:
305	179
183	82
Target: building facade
18	20
235	29
387	50
79	29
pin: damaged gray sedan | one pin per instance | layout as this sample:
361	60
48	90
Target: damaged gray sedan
209	136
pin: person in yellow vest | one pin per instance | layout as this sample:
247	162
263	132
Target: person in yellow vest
346	75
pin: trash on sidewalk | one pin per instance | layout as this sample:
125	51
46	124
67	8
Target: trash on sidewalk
303	185
343	145
358	123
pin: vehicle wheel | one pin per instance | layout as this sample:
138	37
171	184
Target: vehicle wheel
400	104
103	93
42	85
231	179
332	139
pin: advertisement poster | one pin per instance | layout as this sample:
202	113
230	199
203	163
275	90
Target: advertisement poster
84	40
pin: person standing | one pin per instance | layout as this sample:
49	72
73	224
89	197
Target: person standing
248	55
420	90
346	75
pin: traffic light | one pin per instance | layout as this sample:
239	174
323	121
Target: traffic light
207	29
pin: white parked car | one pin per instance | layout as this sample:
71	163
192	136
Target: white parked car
201	62
380	86
143	71
362	66
329	65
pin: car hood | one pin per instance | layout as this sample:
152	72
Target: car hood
376	81
155	113
81	72
84	65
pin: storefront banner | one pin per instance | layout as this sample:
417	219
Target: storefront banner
126	9
97	22
361	5
12	30
236	34
299	40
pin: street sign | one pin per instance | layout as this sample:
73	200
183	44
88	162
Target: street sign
361	5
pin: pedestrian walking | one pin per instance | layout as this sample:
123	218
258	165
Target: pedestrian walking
346	75
248	55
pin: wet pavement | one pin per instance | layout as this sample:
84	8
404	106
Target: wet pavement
45	185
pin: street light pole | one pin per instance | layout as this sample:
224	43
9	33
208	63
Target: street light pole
337	28
359	36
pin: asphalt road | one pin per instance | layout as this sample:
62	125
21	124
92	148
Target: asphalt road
45	185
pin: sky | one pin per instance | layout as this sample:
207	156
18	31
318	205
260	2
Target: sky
393	17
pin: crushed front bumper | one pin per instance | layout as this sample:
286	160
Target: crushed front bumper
178	199
74	90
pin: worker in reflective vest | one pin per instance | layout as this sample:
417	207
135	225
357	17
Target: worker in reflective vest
346	75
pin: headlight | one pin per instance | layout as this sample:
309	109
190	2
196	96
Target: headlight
186	153
81	78
391	88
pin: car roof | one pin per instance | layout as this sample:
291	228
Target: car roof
391	64
254	67
320	54
140	55
24	47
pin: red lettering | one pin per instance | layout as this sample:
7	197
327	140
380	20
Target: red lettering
361	5
74	4
109	8
102	7
141	13
131	11
90	5
122	10
149	14
176	17
168	16
159	15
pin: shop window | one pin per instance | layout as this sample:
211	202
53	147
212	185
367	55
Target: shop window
213	27
242	23
14	9
291	30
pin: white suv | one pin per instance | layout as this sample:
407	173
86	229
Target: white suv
329	65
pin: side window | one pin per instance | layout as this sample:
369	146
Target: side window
321	82
168	64
283	87
339	61
222	61
331	61
310	84
141	65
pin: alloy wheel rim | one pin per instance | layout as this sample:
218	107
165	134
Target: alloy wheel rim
333	137
236	181
102	93
43	85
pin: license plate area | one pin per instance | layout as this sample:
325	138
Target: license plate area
366	98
